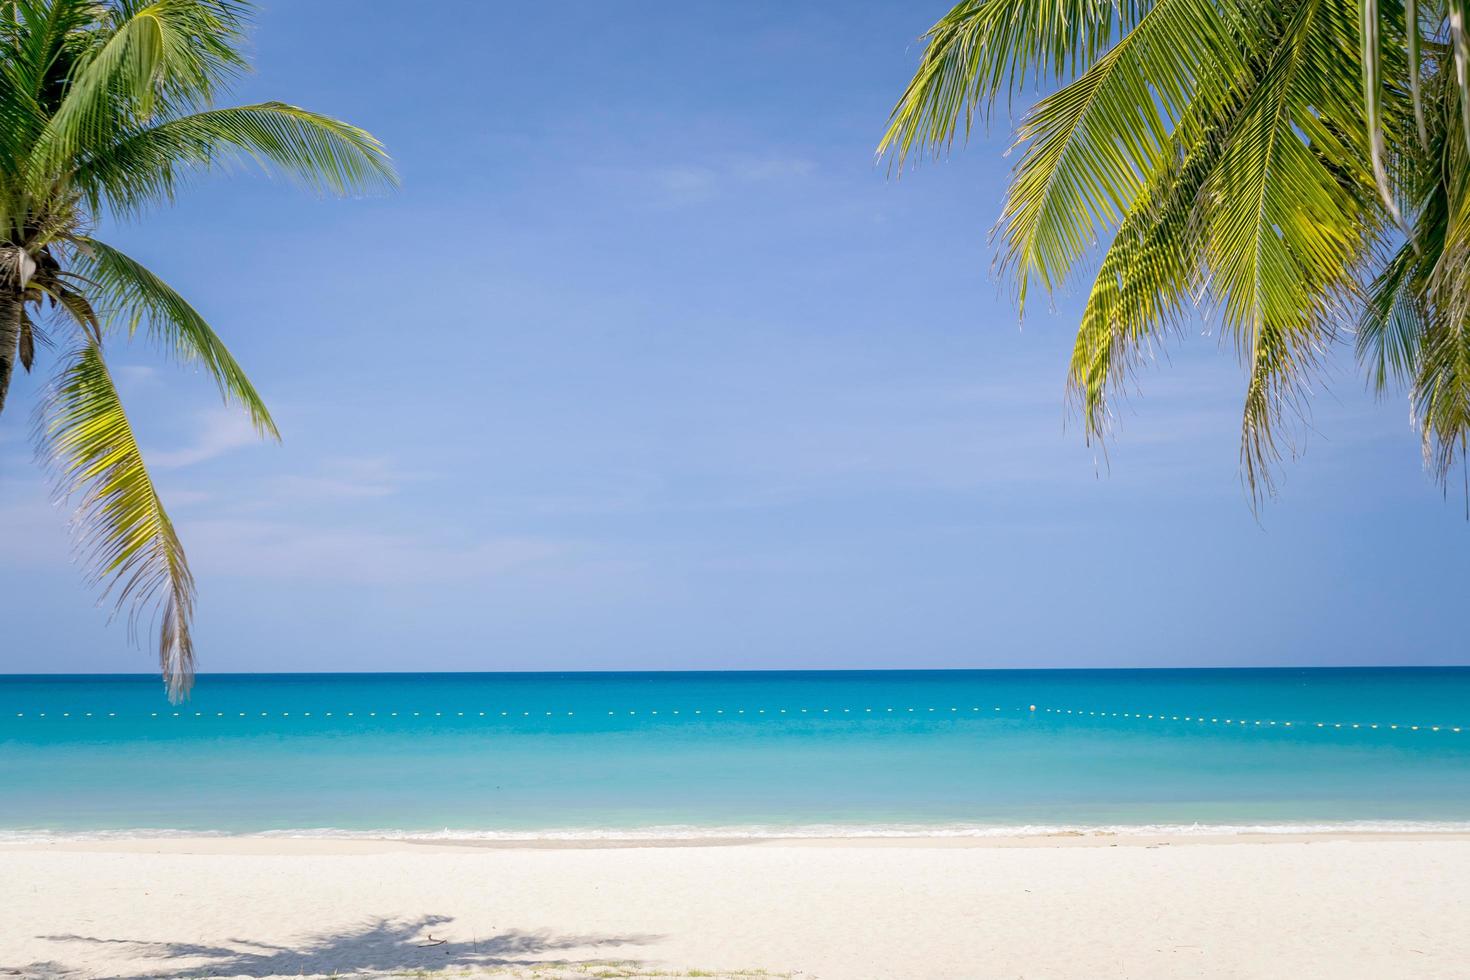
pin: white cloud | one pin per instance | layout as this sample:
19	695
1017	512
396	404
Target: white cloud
774	168
344	477
221	430
294	550
685	184
185	498
135	375
285	550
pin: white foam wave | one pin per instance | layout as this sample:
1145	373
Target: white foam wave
769	832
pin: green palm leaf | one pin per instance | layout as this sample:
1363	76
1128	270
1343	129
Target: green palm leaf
127	292
982	48
145	165
1390	331
166	55
1442	396
123	531
1153	272
35	66
1091	146
1440	391
1285	226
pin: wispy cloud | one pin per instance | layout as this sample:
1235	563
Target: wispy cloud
281	550
277	544
694	183
135	375
345	477
175	499
220	431
772	168
684	185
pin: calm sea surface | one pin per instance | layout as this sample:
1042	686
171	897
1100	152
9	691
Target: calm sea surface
589	754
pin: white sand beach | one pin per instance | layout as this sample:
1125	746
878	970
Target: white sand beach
1310	906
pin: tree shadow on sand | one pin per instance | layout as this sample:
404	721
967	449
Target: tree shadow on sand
379	945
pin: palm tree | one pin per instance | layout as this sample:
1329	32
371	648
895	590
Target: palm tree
1286	171
106	108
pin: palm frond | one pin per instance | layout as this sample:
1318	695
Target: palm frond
1413	46
1371	23
1442	396
33	70
52	286
1441	388
1460	42
125	289
1151	276
1091	146
167	55
145	165
982	48
122	531
1448	281
1287	220
1391	327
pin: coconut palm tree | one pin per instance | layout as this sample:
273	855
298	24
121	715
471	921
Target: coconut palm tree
1286	171
106	108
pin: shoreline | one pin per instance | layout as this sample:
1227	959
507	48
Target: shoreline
821	834
307	845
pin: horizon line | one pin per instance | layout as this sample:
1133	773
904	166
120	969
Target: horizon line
737	670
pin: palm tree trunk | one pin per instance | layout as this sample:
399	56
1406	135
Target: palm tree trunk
11	307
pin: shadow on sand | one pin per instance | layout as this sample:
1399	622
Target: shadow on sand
378	946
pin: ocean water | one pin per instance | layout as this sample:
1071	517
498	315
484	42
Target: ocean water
513	755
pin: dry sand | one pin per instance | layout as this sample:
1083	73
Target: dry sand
1331	907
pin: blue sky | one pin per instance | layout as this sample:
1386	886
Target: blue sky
648	365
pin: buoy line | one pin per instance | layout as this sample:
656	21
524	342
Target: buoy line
985	711
1252	722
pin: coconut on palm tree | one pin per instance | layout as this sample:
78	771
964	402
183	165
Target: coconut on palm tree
1286	171
105	109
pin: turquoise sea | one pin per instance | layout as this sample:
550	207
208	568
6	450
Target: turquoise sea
739	753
